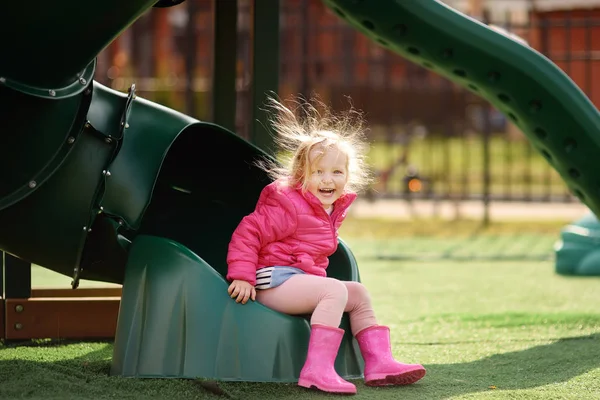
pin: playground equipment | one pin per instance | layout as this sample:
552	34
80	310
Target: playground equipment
107	186
578	249
548	107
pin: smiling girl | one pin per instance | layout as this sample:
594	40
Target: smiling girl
279	253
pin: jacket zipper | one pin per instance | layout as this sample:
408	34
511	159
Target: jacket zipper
332	225
335	212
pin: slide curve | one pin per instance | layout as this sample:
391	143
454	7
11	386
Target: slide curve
549	108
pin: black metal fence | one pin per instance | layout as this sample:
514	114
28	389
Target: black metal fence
430	138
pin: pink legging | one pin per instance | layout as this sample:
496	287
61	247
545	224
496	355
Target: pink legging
326	298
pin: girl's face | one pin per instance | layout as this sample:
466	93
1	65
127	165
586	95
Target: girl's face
328	174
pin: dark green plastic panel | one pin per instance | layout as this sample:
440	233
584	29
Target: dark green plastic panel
105	253
37	135
146	137
58	41
207	184
557	117
49	227
146	140
171	176
176	320
578	250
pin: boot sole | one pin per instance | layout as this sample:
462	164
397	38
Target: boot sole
405	378
310	385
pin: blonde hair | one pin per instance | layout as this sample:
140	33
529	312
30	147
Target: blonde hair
297	135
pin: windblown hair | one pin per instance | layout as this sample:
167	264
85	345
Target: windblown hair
313	125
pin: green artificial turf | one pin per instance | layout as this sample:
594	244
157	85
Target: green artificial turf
485	328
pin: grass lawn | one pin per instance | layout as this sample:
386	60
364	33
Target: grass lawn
487	328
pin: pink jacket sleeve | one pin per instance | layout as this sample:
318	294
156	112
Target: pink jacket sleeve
273	219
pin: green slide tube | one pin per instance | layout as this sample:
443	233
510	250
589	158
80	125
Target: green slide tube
58	42
559	120
549	108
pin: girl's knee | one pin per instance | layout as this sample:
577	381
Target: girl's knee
334	288
357	292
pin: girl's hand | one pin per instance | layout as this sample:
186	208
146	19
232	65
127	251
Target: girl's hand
241	291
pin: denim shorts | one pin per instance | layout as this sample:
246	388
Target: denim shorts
270	277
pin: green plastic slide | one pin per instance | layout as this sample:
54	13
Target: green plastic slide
549	108
176	320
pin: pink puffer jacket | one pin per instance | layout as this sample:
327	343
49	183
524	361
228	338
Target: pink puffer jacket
287	228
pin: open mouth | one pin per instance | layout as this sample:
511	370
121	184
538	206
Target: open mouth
326	191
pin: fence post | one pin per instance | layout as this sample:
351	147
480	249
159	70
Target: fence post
190	61
265	67
224	67
487	127
486	165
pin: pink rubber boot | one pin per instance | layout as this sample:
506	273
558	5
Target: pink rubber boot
318	370
380	367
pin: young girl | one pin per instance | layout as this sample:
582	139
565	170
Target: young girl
278	253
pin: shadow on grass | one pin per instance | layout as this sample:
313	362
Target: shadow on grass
48	370
86	376
531	368
534	367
